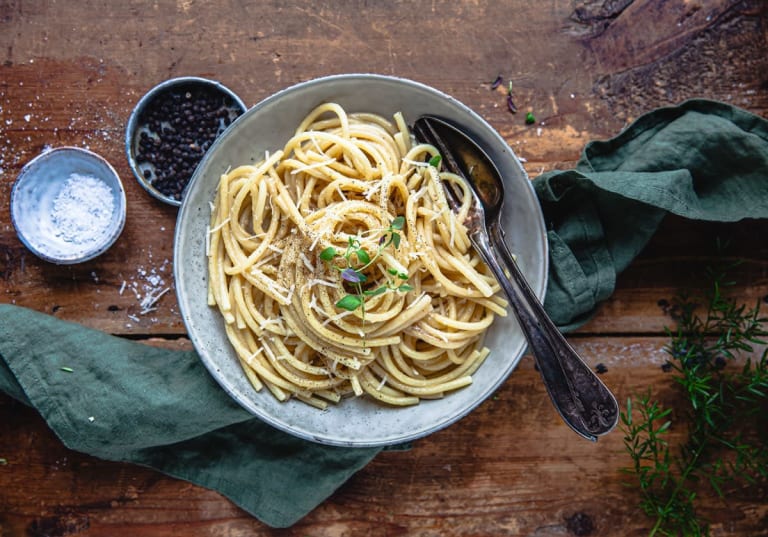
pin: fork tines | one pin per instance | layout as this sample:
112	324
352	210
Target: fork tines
426	133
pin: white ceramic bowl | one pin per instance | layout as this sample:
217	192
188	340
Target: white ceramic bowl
67	231
267	126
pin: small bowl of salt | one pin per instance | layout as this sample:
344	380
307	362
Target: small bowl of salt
68	205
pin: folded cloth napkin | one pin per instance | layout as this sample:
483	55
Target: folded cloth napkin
702	160
125	401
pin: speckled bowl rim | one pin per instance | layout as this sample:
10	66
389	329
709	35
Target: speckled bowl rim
133	124
357	422
27	174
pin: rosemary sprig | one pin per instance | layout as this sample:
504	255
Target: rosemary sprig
726	432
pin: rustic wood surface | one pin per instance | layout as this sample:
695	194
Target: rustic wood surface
70	75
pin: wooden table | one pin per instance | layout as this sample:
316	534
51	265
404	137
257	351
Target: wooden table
70	75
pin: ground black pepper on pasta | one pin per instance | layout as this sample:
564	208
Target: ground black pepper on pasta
177	127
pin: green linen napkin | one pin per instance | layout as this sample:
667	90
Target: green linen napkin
125	401
703	160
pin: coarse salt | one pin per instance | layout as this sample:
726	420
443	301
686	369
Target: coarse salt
83	209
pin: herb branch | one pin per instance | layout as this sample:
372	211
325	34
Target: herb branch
353	261
726	429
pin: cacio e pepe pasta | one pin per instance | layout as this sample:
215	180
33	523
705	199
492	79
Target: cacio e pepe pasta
339	268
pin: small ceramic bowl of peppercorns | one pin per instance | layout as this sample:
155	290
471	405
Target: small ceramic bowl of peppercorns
171	128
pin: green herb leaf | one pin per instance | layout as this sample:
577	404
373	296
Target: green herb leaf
363	256
435	161
328	254
404	287
396	240
349	302
392	271
398	223
378	291
530	119
402	276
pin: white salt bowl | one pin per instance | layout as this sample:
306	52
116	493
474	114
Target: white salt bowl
68	205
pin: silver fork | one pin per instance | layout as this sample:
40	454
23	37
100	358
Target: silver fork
580	397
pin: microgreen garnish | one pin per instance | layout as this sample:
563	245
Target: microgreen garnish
350	302
354	260
328	254
511	106
435	161
352	276
530	119
726	433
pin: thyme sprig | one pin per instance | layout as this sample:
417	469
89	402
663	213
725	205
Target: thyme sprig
724	413
354	260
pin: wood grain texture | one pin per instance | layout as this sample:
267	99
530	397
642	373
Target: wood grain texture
509	468
70	73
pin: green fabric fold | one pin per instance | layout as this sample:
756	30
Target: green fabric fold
702	160
126	401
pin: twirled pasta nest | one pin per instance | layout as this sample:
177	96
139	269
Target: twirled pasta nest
338	186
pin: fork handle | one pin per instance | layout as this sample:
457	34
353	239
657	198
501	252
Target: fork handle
581	398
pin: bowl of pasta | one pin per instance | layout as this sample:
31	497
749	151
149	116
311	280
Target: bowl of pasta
324	281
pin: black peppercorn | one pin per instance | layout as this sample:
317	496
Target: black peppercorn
177	126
